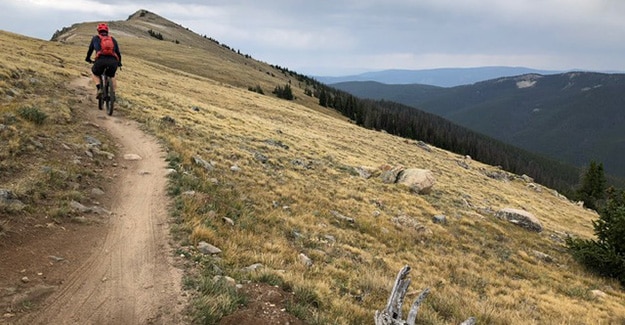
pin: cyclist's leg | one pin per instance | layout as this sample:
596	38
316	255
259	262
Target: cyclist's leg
97	69
96	79
112	69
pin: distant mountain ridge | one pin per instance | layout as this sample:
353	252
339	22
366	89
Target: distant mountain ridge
574	117
442	77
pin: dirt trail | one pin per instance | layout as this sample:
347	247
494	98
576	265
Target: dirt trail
130	277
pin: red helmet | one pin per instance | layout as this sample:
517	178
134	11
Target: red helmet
103	27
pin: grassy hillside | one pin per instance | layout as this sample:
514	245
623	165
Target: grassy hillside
282	171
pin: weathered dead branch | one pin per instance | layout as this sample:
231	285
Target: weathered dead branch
392	314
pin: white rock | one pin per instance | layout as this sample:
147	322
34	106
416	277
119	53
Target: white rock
132	156
305	259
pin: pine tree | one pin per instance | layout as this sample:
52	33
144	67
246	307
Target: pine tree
592	190
323	98
284	92
605	255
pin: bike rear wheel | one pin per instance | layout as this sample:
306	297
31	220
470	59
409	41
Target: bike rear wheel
110	96
101	98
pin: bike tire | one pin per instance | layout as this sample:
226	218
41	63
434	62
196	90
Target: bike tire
101	99
110	97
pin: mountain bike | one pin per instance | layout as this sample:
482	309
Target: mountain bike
108	94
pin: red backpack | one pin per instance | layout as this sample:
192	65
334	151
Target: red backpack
107	46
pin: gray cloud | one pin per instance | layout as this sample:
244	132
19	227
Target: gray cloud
342	36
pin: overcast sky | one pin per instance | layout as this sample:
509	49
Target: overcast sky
338	37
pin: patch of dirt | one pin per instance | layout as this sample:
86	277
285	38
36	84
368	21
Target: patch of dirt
266	306
111	269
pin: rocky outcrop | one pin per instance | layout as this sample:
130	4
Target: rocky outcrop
520	218
419	181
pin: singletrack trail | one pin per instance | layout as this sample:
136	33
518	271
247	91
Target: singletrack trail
130	278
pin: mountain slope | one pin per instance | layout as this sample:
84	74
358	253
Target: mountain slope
270	181
573	117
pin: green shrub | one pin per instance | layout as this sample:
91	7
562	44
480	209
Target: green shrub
32	114
156	35
218	298
256	89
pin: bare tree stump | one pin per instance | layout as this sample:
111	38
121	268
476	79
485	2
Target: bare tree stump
392	314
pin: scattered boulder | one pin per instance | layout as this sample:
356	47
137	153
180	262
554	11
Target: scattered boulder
365	171
598	294
338	215
199	161
97	192
9	198
228	221
261	157
419	181
253	267
407	222
520	218
559	196
277	143
37	144
230	281
92	141
208	249
440	219
101	211
463	164
391	175
424	146
305	259
542	256
497	175
98	152
79	207
302	163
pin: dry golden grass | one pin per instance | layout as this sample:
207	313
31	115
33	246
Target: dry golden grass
42	143
475	265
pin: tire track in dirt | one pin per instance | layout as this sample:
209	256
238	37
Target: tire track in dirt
131	278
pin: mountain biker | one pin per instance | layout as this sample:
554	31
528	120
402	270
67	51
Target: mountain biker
107	57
